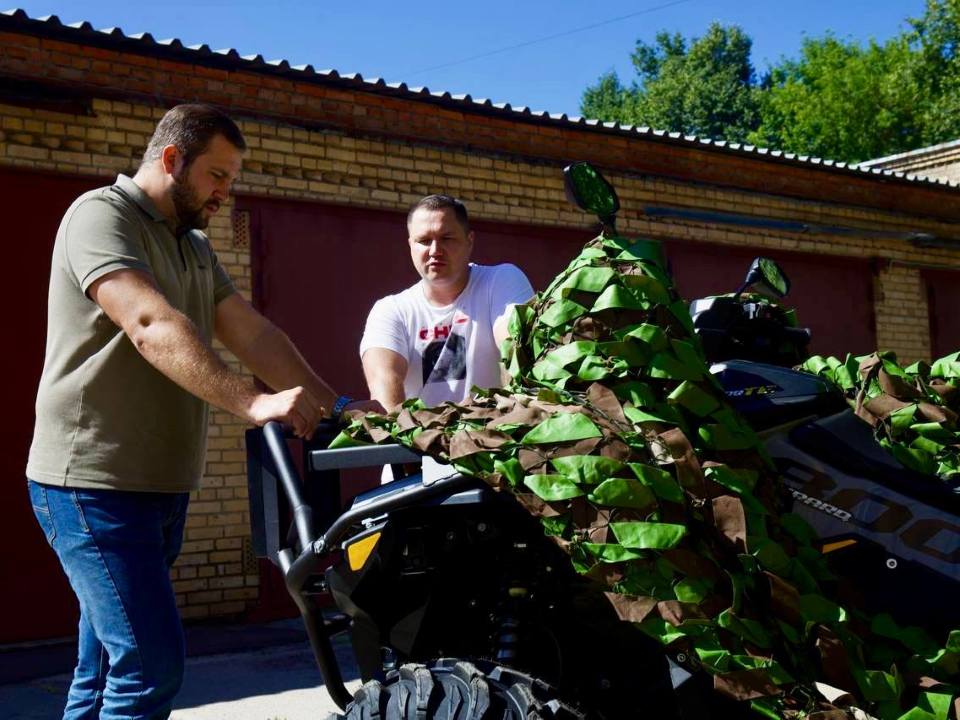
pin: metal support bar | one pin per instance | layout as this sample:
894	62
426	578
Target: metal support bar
354	457
320	642
719	218
297	571
302	513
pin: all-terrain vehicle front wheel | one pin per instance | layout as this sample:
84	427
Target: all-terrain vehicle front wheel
451	689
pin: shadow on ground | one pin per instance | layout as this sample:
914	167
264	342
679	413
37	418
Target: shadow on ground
28	662
273	676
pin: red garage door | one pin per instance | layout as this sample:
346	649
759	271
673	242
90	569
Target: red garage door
38	602
833	296
943	296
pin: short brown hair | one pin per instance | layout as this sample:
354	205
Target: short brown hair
191	128
440	202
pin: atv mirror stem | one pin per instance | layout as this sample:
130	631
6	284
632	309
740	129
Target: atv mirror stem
743	288
609	226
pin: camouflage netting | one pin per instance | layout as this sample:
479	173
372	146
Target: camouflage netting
615	435
913	410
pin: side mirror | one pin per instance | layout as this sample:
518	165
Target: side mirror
769	274
589	190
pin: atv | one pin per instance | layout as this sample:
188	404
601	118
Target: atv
892	532
458	606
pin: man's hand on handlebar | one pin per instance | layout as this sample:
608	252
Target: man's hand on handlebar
295	406
301	410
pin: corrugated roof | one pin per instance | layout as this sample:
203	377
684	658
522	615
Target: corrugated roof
920	154
84	32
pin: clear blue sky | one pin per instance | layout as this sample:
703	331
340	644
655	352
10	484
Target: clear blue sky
398	40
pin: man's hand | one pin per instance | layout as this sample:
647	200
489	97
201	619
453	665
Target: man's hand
295	406
366	406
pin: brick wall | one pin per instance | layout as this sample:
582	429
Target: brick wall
92	64
901	307
371	151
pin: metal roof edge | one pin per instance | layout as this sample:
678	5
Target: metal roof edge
917	154
18	19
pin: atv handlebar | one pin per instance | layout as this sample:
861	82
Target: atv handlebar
275	438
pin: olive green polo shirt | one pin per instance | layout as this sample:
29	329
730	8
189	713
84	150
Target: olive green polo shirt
106	418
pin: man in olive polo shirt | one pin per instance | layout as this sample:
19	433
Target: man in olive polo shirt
136	296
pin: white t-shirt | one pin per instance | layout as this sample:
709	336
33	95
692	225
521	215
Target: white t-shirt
448	349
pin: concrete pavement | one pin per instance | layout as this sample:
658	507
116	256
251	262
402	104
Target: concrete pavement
272	682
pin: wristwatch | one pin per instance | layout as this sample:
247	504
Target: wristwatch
339	405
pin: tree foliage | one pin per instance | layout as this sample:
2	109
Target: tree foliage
608	100
935	40
838	99
841	101
706	88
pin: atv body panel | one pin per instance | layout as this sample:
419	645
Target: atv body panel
768	395
890	530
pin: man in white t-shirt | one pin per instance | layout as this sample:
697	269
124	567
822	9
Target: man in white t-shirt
440	337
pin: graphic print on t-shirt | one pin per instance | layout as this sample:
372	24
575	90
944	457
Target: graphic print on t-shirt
445	360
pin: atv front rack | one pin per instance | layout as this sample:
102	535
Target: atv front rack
286	512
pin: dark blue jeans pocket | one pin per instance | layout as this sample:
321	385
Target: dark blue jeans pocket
41	510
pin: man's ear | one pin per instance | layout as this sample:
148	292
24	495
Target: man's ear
170	159
470	238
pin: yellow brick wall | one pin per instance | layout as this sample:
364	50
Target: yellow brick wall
286	161
901	303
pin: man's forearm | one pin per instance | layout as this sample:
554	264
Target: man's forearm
384	370
274	359
171	343
389	394
173	346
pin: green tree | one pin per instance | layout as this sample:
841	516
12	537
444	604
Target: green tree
935	68
608	100
707	89
839	99
842	101
853	103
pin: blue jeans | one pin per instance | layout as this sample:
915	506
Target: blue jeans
116	548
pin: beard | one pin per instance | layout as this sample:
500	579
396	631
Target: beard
188	205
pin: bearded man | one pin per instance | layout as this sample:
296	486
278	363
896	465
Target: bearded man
136	296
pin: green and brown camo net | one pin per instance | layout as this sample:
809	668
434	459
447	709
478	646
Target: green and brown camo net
616	436
913	410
